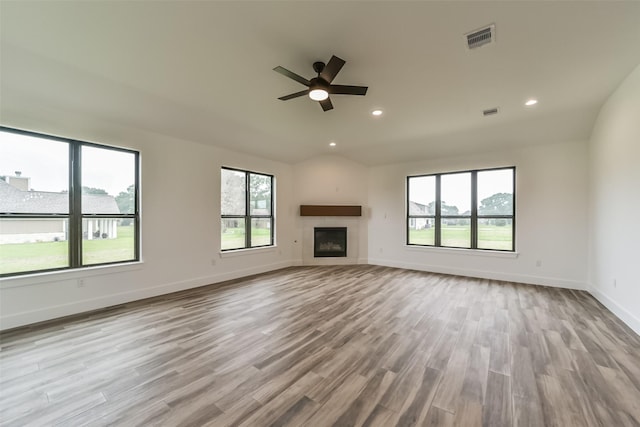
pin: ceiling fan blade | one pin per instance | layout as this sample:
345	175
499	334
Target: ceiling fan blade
292	75
332	69
326	104
348	90
294	95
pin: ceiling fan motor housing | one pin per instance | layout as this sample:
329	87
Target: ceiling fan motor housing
318	67
319	82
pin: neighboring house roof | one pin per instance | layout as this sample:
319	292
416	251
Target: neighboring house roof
15	200
417	208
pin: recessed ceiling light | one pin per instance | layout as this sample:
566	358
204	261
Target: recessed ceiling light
531	102
376	113
332	144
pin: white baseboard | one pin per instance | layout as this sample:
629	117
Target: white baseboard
482	274
76	307
621	313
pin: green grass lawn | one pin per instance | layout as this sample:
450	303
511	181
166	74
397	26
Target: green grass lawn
99	251
233	238
425	236
489	236
495	237
19	257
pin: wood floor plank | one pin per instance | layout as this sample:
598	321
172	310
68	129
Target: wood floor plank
403	388
527	407
277	407
561	356
330	345
416	411
364	405
437	417
452	382
297	413
380	417
596	388
499	353
557	406
475	377
468	414
496	411
339	401
622	391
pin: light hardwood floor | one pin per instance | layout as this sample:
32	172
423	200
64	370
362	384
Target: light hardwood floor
321	346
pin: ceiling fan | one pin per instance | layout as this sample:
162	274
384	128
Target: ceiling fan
319	88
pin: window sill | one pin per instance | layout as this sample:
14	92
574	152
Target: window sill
62	275
247	251
461	251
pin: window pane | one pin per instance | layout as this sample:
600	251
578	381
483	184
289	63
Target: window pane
421	231
34	174
422	195
456	232
108	181
33	244
233	192
495	192
455	194
260	232
233	233
107	240
260	194
495	233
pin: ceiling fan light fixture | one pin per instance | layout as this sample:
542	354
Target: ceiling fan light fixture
320	87
318	94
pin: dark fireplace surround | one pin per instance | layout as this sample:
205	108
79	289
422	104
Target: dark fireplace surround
329	242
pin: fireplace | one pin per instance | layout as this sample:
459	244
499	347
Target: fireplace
330	242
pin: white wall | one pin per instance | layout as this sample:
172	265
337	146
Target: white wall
614	200
180	228
551	217
331	180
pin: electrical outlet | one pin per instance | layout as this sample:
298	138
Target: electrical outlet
81	283
539	263
213	261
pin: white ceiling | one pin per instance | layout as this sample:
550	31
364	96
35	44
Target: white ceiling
202	71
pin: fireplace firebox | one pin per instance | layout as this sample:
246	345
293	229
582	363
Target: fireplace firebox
330	242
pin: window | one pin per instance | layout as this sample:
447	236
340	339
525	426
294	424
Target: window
65	203
246	209
470	209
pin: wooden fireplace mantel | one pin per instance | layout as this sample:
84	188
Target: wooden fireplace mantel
330	210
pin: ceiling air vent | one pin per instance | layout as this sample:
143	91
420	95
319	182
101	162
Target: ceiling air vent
481	37
490	111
